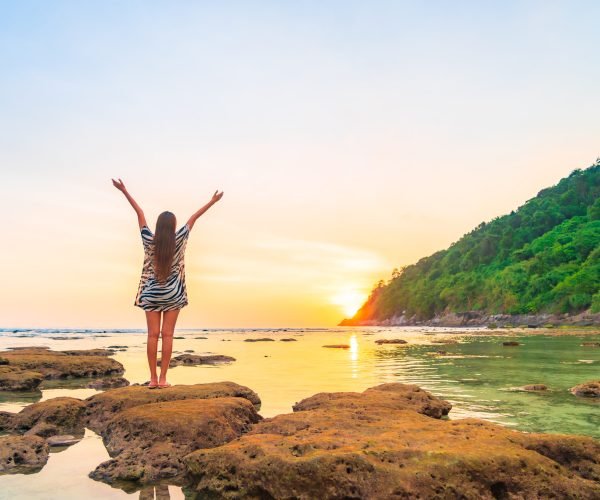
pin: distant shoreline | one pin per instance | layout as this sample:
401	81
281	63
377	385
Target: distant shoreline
479	319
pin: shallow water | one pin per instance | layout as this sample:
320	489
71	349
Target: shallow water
478	375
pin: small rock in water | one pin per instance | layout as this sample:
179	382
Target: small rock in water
198	338
337	346
179	338
108	383
288	340
587	389
444	341
534	387
511	343
391	341
263	339
117	347
64	440
189	350
22	454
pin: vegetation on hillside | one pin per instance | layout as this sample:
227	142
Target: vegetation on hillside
543	257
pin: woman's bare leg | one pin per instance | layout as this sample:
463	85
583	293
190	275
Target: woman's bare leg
153	322
168	328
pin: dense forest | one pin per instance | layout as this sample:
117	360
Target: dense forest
542	258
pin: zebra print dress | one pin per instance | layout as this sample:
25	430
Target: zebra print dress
155	296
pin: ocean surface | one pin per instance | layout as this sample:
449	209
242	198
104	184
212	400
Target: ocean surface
478	375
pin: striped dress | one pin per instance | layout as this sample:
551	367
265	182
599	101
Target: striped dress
155	296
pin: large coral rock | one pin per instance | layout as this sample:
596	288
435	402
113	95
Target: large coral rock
102	407
56	416
13	378
392	396
369	446
22	454
57	364
149	441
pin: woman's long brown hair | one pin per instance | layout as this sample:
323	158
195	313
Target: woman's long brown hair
164	245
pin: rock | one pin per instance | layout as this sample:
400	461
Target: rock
264	339
108	383
57	364
52	417
118	347
179	338
3	361
587	389
590	344
288	340
147	442
197	359
511	343
189	350
444	341
22	454
370	446
337	346
63	440
89	352
15	379
391	341
100	408
393	396
534	387
200	338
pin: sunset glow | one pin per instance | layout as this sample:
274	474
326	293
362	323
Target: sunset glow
347	143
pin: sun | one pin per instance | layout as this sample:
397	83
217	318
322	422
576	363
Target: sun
349	301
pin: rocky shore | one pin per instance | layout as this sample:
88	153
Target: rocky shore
24	369
389	441
477	318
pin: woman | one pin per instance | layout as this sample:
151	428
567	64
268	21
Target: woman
162	289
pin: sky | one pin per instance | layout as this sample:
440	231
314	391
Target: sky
349	138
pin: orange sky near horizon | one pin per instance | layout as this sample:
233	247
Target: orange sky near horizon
348	141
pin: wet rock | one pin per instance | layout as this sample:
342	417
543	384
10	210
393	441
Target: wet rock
337	346
102	407
200	338
16	379
148	442
264	339
117	347
22	454
590	344
444	341
179	338
288	340
58	364
587	389
198	359
511	343
391	341
63	440
343	447
3	361
108	383
189	350
52	417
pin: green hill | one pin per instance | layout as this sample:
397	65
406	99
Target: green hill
542	258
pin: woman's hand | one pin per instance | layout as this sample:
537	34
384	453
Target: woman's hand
119	185
217	196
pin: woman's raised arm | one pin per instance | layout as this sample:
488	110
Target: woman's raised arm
140	213
215	197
